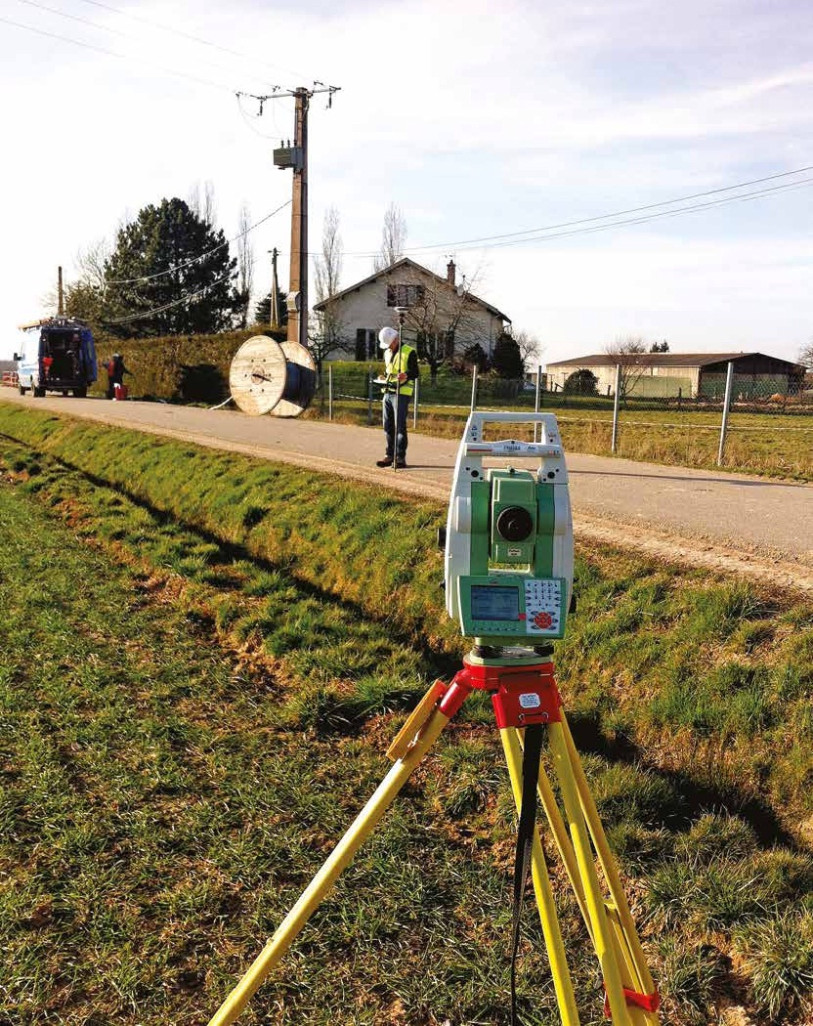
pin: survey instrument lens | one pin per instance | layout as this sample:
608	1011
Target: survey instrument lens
515	523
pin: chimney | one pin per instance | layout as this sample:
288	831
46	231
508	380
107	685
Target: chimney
451	272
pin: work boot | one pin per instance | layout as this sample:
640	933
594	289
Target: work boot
400	464
386	462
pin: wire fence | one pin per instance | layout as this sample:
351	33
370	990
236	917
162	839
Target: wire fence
759	423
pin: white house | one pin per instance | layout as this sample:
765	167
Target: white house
439	311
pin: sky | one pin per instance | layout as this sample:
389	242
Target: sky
477	119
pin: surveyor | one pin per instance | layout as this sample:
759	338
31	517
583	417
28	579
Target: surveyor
400	373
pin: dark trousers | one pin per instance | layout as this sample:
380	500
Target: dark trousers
396	435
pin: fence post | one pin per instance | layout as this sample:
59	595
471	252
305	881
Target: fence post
616	402
729	384
474	388
538	399
330	391
370	398
416	390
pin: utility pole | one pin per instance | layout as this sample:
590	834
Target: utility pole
295	157
60	307
274	313
298	280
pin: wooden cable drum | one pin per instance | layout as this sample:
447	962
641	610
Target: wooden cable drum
266	377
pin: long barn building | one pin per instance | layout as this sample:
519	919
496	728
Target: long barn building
671	374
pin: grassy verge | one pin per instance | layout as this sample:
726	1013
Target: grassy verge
767	444
200	675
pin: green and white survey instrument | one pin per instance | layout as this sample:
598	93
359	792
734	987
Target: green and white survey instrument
509	534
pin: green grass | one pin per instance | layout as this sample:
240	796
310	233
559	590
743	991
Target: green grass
199	681
767	444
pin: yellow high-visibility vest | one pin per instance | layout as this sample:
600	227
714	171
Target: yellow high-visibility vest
398	365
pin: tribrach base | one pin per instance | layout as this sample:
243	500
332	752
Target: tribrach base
522	693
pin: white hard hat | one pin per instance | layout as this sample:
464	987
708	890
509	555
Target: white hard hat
386	337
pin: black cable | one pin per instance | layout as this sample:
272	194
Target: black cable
185	35
108	28
121	56
202	256
141	315
526	832
603	217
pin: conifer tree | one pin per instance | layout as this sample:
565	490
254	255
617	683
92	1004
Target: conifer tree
197	292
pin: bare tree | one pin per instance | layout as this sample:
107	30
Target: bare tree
328	265
203	205
393	238
627	352
445	322
530	348
326	333
806	355
84	292
245	265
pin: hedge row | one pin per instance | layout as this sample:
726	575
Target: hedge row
178	368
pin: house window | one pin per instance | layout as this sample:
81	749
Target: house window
366	339
405	295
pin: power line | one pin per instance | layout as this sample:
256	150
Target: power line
168	306
187	35
108	28
804	183
120	56
604	217
201	256
652	217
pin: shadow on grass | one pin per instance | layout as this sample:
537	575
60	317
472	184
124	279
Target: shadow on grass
341	712
694	797
437	662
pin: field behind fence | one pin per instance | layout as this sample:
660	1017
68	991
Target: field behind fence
766	431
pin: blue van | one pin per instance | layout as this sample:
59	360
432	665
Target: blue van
57	355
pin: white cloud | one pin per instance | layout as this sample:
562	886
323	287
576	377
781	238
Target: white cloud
476	118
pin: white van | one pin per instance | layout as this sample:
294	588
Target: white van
57	355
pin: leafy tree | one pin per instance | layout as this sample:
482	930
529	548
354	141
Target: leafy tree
659	347
196	296
506	358
581	382
475	354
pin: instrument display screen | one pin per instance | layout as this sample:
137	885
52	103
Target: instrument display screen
489	603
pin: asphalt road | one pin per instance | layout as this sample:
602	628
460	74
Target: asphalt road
755	517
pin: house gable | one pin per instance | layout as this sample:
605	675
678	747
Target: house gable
437	311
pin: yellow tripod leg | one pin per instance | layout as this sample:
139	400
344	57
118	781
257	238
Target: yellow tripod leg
560	836
601	930
620	913
422	739
544	896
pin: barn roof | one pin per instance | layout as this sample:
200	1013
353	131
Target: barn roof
666	360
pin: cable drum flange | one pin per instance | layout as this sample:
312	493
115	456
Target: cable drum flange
300	382
266	377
